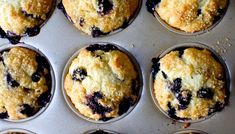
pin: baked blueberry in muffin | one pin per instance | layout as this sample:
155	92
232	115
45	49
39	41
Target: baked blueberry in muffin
25	83
189	83
99	17
22	17
188	16
102	82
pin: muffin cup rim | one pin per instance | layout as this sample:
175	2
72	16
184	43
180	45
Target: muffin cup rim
190	130
16	130
191	45
70	103
53	80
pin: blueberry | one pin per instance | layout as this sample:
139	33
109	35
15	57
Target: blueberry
151	4
184	98
105	6
44	98
199	12
96	32
29	15
11	82
2	33
124	105
171	111
205	93
79	74
176	86
36	77
4	115
134	87
95	106
164	75
155	67
33	31
27	110
105	48
42	63
219	106
99	132
81	22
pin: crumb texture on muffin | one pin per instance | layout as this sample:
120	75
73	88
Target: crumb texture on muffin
18	17
188	15
99	17
189	83
102	82
24	83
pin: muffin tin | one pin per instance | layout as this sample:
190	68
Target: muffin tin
144	38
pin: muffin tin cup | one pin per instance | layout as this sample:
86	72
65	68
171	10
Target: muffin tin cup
71	105
94	130
9	46
50	13
181	32
19	130
115	31
190	131
188	45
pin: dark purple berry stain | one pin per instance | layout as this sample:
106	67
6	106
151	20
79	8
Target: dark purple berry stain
26	109
30	15
176	85
99	132
106	118
11	82
79	74
81	22
172	113
219	106
164	75
95	106
2	33
60	6
199	12
219	16
155	67
42	63
33	31
27	90
134	87
105	6
105	48
184	98
124	105
205	93
36	77
4	115
13	38
151	4
96	32
44	98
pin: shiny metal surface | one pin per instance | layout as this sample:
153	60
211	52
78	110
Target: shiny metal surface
144	39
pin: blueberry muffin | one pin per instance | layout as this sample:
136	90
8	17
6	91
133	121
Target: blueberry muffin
189	16
102	82
189	83
25	83
99	17
20	17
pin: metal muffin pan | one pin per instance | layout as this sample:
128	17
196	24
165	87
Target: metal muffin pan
144	39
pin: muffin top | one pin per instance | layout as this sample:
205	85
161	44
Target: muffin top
99	17
188	15
189	84
102	82
18	17
24	83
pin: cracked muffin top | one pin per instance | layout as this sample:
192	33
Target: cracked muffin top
189	84
25	83
19	17
188	15
99	17
102	82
